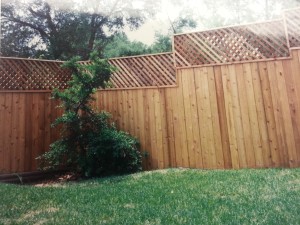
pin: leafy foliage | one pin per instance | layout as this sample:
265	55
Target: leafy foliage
163	42
89	145
112	152
120	45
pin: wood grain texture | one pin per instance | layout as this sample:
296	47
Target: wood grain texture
25	131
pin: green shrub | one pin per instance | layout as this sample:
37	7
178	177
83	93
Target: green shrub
89	145
112	152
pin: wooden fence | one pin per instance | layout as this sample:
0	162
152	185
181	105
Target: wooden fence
228	116
224	103
244	115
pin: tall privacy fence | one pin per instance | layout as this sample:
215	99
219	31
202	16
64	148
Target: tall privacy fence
224	98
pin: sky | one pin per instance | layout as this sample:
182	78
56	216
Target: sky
160	23
199	9
169	12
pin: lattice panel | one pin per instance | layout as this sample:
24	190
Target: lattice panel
292	19
24	74
142	71
231	44
138	71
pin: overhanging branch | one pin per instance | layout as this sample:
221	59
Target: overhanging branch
26	24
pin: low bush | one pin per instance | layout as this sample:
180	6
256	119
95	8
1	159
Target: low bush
112	152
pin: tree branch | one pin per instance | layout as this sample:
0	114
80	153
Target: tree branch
36	13
45	16
26	24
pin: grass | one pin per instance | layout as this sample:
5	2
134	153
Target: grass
174	196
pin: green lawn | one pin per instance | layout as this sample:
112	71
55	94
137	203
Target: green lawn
171	196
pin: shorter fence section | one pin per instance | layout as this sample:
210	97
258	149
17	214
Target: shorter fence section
136	71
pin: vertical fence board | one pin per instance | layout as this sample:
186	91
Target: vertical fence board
293	84
261	117
185	77
165	135
257	144
28	133
238	123
131	122
147	128
230	118
222	117
47	120
170	126
125	111
7	131
205	119
42	125
182	124
141	125
35	129
249	153
120	123
2	130
290	149
208	116
215	118
193	86
270	116
277	110
152	129
15	133
157	128
21	128
177	128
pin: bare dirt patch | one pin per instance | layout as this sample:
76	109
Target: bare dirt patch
57	181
